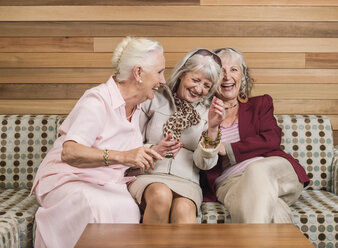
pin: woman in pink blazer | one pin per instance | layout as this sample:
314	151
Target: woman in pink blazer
254	178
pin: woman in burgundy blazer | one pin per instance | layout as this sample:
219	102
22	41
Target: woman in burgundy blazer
254	178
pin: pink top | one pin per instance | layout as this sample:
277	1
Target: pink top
231	135
98	120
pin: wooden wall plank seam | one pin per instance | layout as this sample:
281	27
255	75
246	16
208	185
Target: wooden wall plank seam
52	106
174	28
167	13
185	44
272	2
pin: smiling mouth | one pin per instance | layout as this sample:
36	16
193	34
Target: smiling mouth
193	94
227	86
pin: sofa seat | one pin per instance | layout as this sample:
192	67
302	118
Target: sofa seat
9	233
18	206
26	139
315	213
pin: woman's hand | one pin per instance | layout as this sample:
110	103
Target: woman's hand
82	156
215	117
168	146
142	158
216	113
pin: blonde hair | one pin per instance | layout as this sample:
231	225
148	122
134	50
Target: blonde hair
131	52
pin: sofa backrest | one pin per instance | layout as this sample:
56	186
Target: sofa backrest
309	139
25	141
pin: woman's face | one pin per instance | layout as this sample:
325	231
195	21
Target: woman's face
153	77
193	86
232	79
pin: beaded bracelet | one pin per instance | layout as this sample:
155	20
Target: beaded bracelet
206	139
105	157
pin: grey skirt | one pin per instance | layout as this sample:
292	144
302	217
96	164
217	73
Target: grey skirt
180	186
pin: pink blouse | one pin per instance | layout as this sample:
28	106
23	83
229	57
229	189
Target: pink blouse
231	135
98	120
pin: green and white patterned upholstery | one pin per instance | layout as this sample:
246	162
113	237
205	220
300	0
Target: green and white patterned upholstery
26	139
308	138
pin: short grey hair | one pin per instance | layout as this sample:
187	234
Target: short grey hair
193	63
131	52
231	53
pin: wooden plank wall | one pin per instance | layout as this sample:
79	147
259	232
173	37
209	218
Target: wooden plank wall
51	51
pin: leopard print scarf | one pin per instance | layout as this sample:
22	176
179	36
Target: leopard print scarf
185	116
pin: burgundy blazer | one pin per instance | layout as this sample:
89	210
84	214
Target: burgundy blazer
259	136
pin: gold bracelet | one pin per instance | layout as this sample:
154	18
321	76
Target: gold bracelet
105	157
206	139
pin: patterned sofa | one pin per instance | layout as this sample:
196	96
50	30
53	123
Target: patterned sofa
25	140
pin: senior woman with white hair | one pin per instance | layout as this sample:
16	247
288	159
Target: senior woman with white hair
254	178
172	125
81	180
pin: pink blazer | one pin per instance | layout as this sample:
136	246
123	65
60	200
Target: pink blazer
259	136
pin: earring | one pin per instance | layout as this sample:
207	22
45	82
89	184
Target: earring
242	97
139	81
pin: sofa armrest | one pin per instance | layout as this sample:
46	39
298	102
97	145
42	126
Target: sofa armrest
335	171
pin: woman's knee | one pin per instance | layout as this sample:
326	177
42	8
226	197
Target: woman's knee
158	193
183	211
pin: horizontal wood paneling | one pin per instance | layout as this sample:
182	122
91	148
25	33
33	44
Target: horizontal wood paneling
51	51
55	44
185	44
51	106
174	28
295	76
43	91
98	2
36	106
93	60
292	91
315	107
103	60
334	121
272	2
72	91
97	75
335	137
167	13
321	60
37	75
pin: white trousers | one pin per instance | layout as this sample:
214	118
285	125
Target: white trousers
66	210
262	193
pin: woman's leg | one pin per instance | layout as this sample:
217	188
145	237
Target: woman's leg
66	210
158	198
183	210
262	193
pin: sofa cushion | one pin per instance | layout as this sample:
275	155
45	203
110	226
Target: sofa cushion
308	138
19	206
9	233
25	141
315	213
213	212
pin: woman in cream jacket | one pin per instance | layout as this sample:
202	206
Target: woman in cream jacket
172	124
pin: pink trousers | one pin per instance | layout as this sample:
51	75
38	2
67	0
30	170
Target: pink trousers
66	210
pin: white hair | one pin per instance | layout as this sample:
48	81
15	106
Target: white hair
232	53
131	52
196	62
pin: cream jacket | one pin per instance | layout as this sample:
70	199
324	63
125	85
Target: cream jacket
192	157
